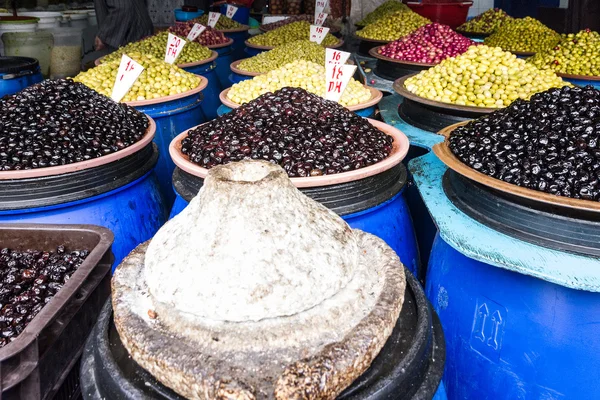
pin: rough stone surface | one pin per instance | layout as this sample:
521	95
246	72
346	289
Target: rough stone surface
311	353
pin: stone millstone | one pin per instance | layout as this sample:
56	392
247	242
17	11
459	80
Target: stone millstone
256	291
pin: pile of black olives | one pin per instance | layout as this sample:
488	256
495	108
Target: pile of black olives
28	281
549	143
300	131
60	122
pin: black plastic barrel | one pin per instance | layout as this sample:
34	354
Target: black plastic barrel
410	365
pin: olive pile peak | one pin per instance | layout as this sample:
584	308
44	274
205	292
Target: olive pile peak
224	22
577	54
523	35
482	77
303	74
285	54
157	46
485	23
158	79
382	11
393	26
549	143
289	33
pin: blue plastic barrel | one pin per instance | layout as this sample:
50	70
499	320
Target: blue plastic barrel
251	51
582	81
242	15
223	62
207	69
123	196
520	320
17	73
239	37
384	213
173	115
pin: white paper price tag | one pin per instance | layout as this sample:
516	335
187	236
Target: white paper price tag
320	6
268	19
128	73
337	79
333	56
318	33
174	46
197	29
213	17
231	10
320	18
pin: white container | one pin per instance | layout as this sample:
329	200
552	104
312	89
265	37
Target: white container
15	26
48	19
77	20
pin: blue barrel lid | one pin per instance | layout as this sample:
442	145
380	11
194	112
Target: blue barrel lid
18	65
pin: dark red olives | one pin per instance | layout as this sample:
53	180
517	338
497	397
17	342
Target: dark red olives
28	281
549	143
60	122
302	132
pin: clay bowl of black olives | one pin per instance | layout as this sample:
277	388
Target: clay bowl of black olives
447	156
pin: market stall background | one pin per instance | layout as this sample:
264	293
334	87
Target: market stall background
501	249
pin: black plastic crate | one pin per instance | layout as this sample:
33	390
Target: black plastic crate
37	363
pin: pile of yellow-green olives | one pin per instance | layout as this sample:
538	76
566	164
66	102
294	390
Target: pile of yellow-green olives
394	26
577	54
523	35
289	33
157	46
383	10
482	77
287	53
303	74
224	23
485	23
158	79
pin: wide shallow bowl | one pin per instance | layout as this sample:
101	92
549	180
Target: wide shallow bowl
229	42
374	52
201	86
373	40
212	57
234	68
473	35
242	28
579	77
445	154
376	96
403	91
399	150
339	44
78	166
331	29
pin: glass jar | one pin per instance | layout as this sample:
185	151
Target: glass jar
65	60
36	45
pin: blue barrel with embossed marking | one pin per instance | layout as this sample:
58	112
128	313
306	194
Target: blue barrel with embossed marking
520	320
239	37
208	69
172	115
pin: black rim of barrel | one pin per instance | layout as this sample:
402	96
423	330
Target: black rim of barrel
431	118
18	65
105	361
545	225
343	199
47	191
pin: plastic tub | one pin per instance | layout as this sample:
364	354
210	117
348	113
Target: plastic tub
237	75
118	191
38	362
453	14
225	58
208	69
16	24
17	73
183	16
36	45
65	60
77	19
172	115
47	19
409	367
520	319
